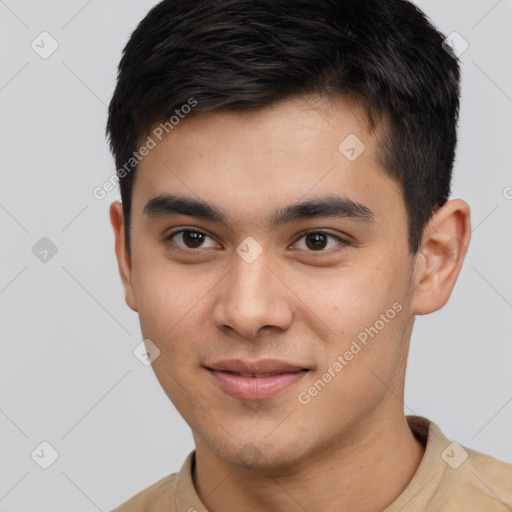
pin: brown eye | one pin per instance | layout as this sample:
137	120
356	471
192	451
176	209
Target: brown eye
316	241
320	241
190	239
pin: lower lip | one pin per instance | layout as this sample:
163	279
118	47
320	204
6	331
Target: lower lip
254	388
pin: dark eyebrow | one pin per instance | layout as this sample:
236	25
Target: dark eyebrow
330	206
165	205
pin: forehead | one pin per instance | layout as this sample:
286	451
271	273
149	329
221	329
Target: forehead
278	155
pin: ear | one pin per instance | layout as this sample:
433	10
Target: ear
441	254
123	256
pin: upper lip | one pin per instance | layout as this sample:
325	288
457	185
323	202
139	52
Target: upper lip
255	367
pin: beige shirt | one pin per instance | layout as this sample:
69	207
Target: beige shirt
450	478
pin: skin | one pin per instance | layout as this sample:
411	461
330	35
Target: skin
349	448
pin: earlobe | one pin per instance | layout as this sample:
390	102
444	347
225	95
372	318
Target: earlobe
122	254
438	264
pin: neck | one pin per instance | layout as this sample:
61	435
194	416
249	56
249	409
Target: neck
367	474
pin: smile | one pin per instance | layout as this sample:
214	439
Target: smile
255	381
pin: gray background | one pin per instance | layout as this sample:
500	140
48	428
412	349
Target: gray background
68	374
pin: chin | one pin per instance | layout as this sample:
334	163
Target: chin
261	453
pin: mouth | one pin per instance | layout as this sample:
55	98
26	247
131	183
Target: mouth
257	380
258	375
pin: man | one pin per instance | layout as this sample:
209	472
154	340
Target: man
285	170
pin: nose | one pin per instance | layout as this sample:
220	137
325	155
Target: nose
252	297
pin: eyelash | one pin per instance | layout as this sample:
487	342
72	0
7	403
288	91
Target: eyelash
182	250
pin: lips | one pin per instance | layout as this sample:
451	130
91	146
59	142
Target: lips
255	380
260	367
256	375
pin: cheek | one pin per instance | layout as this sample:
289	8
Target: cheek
366	312
351	298
173	306
161	287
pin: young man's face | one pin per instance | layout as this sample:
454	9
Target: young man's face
342	310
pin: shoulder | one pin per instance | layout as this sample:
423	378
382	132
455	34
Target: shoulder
160	494
483	480
468	479
454	477
170	493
